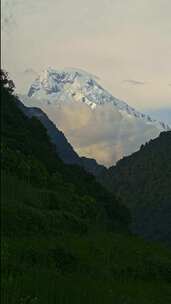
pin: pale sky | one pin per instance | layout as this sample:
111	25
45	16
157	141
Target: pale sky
126	43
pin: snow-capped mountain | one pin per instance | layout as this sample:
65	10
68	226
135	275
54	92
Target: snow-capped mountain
81	86
97	124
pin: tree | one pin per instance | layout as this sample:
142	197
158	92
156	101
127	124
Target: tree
5	82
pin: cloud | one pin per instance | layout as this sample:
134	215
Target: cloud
29	70
169	84
134	82
119	40
103	133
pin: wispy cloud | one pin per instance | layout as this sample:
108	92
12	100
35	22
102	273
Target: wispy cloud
30	71
134	82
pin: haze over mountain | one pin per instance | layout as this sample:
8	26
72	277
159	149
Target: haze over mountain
97	125
63	147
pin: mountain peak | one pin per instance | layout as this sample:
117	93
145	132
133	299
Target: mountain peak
52	81
54	85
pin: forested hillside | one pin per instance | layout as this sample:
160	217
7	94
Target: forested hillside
28	154
65	239
143	181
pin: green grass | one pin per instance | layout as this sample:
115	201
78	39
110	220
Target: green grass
90	269
49	287
47	256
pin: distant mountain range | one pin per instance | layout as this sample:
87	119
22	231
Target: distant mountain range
98	125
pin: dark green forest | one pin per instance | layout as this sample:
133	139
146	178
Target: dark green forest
65	238
143	181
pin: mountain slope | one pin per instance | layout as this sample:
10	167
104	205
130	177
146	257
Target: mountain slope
97	125
143	180
28	153
64	237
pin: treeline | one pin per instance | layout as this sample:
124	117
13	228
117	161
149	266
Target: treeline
143	181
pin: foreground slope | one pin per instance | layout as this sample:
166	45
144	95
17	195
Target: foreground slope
64	238
143	180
